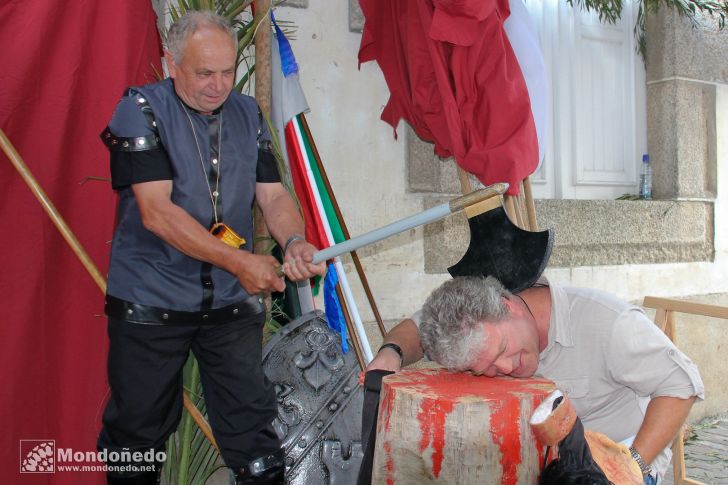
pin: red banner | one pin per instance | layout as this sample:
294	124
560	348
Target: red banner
65	66
454	77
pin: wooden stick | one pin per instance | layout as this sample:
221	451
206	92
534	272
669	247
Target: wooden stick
350	327
530	204
670	327
510	209
665	320
263	72
682	306
263	89
661	318
521	200
520	210
72	241
678	461
513	210
51	210
678	448
464	178
354	255
199	419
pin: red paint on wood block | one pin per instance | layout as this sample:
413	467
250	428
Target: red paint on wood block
505	429
386	398
432	417
436	394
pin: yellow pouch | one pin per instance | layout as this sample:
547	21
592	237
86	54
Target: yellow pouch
224	233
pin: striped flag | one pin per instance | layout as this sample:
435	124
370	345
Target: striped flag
323	228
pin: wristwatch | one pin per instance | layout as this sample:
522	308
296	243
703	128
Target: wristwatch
645	468
396	348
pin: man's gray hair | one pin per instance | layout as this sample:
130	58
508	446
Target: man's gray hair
451	325
188	24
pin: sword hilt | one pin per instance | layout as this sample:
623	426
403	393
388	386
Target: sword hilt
476	196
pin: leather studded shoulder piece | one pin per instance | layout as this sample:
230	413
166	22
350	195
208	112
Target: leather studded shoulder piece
138	143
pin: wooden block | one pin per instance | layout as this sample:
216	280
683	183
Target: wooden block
440	427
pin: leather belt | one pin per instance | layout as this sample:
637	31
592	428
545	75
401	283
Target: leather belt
136	313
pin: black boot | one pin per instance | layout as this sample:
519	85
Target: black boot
266	470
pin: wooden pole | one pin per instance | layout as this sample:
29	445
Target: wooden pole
521	201
354	255
78	249
682	306
51	210
510	208
530	205
199	419
263	72
263	88
465	185
518	204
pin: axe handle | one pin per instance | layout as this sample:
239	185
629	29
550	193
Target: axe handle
416	220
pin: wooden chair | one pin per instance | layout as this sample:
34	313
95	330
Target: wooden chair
666	309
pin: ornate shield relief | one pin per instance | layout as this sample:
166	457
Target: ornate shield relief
319	402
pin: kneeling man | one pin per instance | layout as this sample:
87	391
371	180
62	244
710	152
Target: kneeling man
626	379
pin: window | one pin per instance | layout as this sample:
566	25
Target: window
597	113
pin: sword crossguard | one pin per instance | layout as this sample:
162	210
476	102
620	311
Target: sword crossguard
478	196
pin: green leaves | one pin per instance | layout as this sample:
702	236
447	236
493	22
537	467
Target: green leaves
608	10
611	10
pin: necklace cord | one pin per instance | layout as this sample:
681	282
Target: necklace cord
527	307
216	193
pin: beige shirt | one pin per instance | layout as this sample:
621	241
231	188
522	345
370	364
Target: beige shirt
610	359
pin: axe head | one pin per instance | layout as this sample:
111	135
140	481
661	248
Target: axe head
503	250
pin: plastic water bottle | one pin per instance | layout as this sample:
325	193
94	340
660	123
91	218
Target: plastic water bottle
646	178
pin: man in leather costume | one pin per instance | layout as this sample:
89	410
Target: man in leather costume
188	158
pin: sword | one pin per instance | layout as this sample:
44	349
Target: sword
430	215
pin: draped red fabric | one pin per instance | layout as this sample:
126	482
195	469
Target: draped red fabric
453	76
64	67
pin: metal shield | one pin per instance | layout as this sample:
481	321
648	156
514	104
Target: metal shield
319	402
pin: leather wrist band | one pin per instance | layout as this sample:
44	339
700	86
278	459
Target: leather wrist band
644	467
291	240
396	348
